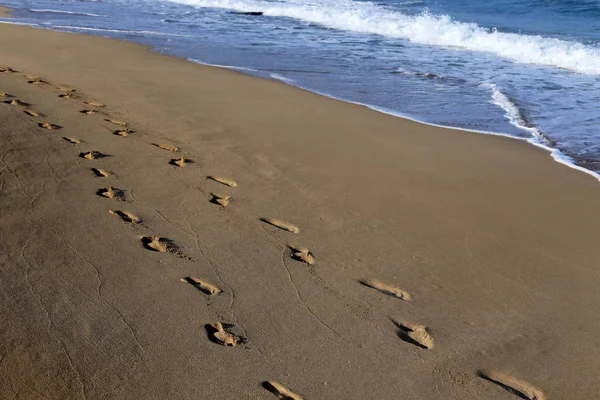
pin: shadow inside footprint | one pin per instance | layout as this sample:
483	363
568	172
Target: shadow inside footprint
50	126
38	81
93	104
123	132
4	69
509	389
100	173
111	193
166	147
17	102
72	140
386	289
203	286
220	200
280	391
302	254
68	95
217	334
159	244
126	216
92	155
414	334
283	225
180	162
512	384
116	121
32	113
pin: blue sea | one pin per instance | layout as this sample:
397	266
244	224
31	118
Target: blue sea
528	68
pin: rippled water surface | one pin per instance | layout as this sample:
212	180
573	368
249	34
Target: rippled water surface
529	68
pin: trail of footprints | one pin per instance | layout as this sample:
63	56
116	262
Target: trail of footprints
219	332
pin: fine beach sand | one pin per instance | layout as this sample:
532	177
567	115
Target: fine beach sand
436	253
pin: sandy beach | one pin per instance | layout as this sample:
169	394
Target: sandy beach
406	260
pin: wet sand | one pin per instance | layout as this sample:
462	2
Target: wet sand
357	256
5	12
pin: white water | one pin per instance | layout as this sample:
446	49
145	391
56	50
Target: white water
141	32
66	12
427	29
513	114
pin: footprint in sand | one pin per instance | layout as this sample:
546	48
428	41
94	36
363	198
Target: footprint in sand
32	113
126	216
123	132
219	199
97	105
415	334
92	155
4	94
163	245
37	81
17	102
4	69
88	111
513	385
72	140
111	193
180	162
50	126
166	147
203	286
303	254
116	122
218	334
286	226
100	173
281	391
226	182
387	289
158	244
70	93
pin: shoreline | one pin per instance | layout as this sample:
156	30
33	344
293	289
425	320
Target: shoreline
479	232
556	154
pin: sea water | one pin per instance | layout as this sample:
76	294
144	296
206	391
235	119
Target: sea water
528	69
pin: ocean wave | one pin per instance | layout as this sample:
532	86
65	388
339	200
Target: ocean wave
515	116
84	28
429	75
66	12
223	66
426	29
282	78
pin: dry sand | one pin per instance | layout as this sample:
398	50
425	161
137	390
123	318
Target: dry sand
496	243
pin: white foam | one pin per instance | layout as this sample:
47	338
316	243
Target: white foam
83	28
427	29
512	113
283	78
66	12
2	21
222	66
